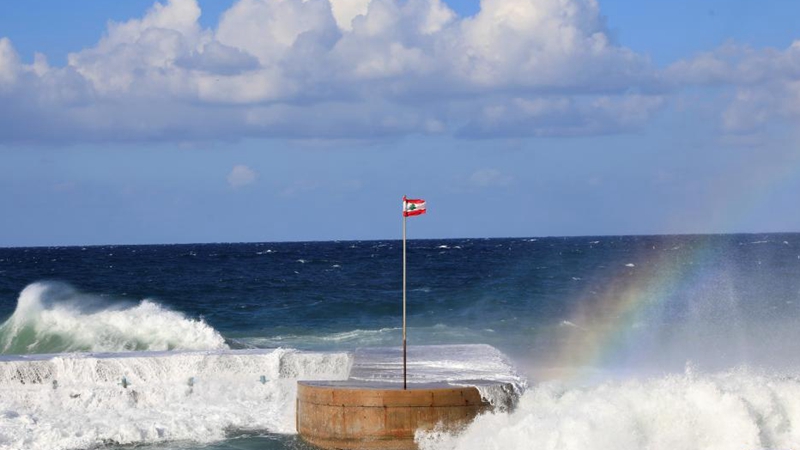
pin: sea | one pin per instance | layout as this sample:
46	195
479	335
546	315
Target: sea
610	342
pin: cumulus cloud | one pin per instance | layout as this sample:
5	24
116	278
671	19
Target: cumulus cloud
739	64
241	176
562	116
9	63
360	69
761	86
217	58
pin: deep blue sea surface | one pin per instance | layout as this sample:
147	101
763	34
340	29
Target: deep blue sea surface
597	326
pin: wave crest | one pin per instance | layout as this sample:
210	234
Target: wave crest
738	409
55	318
80	401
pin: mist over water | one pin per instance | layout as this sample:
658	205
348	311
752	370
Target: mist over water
657	342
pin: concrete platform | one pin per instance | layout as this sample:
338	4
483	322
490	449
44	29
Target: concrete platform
358	415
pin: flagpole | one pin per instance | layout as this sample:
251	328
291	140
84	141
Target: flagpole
404	294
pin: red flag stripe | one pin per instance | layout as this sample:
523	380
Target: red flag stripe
414	213
414	200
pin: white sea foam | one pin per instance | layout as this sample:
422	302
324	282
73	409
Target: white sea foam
82	400
567	323
368	338
52	317
79	401
482	366
73	401
731	410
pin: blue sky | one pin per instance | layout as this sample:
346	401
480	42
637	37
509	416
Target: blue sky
265	120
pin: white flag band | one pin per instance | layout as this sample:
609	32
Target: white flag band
413	207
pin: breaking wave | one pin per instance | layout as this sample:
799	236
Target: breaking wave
80	371
55	318
78	401
730	410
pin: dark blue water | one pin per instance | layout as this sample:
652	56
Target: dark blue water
611	305
513	287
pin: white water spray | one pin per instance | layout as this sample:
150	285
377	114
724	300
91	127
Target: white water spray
76	401
52	317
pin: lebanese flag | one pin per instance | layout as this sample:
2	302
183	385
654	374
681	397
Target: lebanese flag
413	207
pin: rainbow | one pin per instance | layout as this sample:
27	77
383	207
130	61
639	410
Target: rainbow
609	320
609	324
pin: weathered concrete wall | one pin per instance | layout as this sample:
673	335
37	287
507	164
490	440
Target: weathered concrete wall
346	416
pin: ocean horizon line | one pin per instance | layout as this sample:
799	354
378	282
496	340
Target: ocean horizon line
456	238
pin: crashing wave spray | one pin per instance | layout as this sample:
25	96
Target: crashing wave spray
53	318
78	401
730	410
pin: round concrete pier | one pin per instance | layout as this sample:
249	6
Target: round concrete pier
349	415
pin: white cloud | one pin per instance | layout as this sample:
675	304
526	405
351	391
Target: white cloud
344	11
364	69
9	63
740	65
241	176
269	29
139	56
219	59
763	85
563	116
